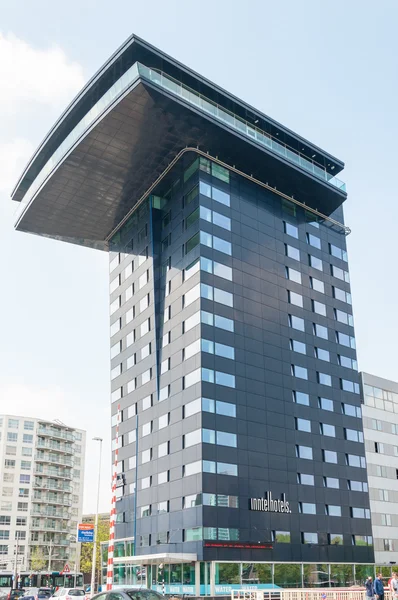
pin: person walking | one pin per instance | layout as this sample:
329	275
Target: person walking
394	586
370	591
379	587
390	583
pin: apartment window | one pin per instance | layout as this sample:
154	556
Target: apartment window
324	379
223	323
221	221
346	361
164	421
28	425
329	456
290	229
295	299
331	482
9	464
26	465
317	285
192	468
320	331
11	450
5	520
147	429
345	340
301	398
3	549
362	540
146	455
353	435
165	366
332	510
322	354
313	240
114	284
354	411
299	372
193	535
309	538
304	452
349	386
12	437
192	438
328	430
335	539
191	408
381	471
315	262
191	378
326	404
343	317
379	447
298	346
296	323
163	507
303	425
384	495
146	482
293	275
221	378
319	308
340	273
338	252
307	508
24	478
305	479
147	402
292	252
341	295
8	477
192	242
146	376
163	477
386	520
163	449
359	513
352	460
4	534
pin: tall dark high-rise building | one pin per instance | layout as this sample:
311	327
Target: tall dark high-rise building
232	343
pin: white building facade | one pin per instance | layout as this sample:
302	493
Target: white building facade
41	497
380	428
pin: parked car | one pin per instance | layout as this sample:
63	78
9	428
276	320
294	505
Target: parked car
133	593
42	593
70	594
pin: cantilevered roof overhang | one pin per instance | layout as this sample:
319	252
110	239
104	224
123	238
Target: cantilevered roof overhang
121	152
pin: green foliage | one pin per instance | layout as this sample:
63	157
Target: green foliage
86	555
38	561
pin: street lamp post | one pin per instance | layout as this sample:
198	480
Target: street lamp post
96	439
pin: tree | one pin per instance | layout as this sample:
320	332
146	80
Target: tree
86	555
37	559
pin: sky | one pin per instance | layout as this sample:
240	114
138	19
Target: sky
326	70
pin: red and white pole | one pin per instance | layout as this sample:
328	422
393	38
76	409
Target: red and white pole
111	545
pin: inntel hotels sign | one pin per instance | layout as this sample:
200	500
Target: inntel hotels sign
268	504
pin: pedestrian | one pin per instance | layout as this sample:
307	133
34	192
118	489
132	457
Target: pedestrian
379	587
394	586
390	583
370	592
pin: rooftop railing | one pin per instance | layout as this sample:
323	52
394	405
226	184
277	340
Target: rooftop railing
194	98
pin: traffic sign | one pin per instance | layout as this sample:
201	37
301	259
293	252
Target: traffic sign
66	569
85	532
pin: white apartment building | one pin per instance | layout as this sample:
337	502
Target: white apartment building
41	492
380	428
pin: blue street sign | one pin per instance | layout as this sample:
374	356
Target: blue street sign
85	532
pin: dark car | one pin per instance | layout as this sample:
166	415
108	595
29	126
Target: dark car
129	593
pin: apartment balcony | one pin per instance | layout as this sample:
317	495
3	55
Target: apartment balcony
39	511
57	459
55	446
46	499
51	472
54	432
51	485
58	528
53	542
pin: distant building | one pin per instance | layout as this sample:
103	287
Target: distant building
41	471
90	518
380	428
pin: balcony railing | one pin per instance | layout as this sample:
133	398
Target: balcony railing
49	472
51	485
57	459
45	512
48	527
56	446
52	500
56	433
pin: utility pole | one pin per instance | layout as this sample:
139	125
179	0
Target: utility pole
94	558
16	560
50	551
